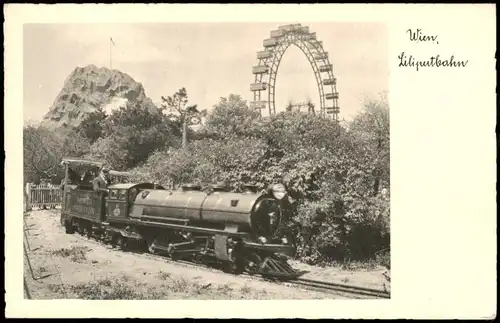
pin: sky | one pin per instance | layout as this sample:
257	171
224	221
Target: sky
211	60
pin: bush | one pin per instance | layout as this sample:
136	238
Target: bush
131	134
383	258
334	174
43	149
330	173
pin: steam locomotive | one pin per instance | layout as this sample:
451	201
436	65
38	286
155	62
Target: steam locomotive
242	232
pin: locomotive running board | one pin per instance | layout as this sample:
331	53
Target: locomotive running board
165	220
278	269
190	228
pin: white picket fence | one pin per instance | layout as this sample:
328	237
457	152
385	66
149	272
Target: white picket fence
42	196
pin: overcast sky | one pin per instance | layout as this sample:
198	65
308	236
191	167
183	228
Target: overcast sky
209	60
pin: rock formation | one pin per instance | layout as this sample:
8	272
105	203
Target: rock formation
90	88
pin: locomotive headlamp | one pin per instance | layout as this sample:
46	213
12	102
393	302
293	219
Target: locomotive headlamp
278	191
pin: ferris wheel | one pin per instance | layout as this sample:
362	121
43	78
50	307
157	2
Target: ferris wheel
265	72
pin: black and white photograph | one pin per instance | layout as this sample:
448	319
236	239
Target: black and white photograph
206	161
250	161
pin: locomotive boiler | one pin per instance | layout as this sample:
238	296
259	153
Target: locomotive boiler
240	231
256	214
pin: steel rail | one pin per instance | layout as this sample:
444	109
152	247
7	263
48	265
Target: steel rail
351	289
309	284
366	289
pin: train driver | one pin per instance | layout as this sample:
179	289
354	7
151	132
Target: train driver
101	182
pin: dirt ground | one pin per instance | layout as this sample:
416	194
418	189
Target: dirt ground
71	267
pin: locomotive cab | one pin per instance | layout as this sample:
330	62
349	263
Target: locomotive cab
81	205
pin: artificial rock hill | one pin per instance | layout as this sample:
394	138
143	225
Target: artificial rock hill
90	88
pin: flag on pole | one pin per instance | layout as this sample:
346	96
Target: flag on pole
111	40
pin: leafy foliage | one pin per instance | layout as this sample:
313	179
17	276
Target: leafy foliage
231	116
179	112
41	153
329	172
337	175
91	126
177	107
43	149
131	134
371	130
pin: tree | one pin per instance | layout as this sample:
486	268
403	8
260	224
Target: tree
179	111
91	127
74	145
371	129
231	116
42	151
113	150
132	133
44	148
327	170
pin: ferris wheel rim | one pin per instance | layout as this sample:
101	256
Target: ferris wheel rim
269	61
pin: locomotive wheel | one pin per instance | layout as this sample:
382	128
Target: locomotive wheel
81	229
229	267
198	258
252	265
238	255
150	243
233	268
174	256
119	241
68	225
112	240
239	268
171	253
122	242
88	231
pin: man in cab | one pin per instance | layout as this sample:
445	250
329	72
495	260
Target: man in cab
101	182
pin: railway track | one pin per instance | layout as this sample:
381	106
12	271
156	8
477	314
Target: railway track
342	288
347	291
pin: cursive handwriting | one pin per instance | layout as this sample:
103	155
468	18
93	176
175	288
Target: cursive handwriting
433	61
418	36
